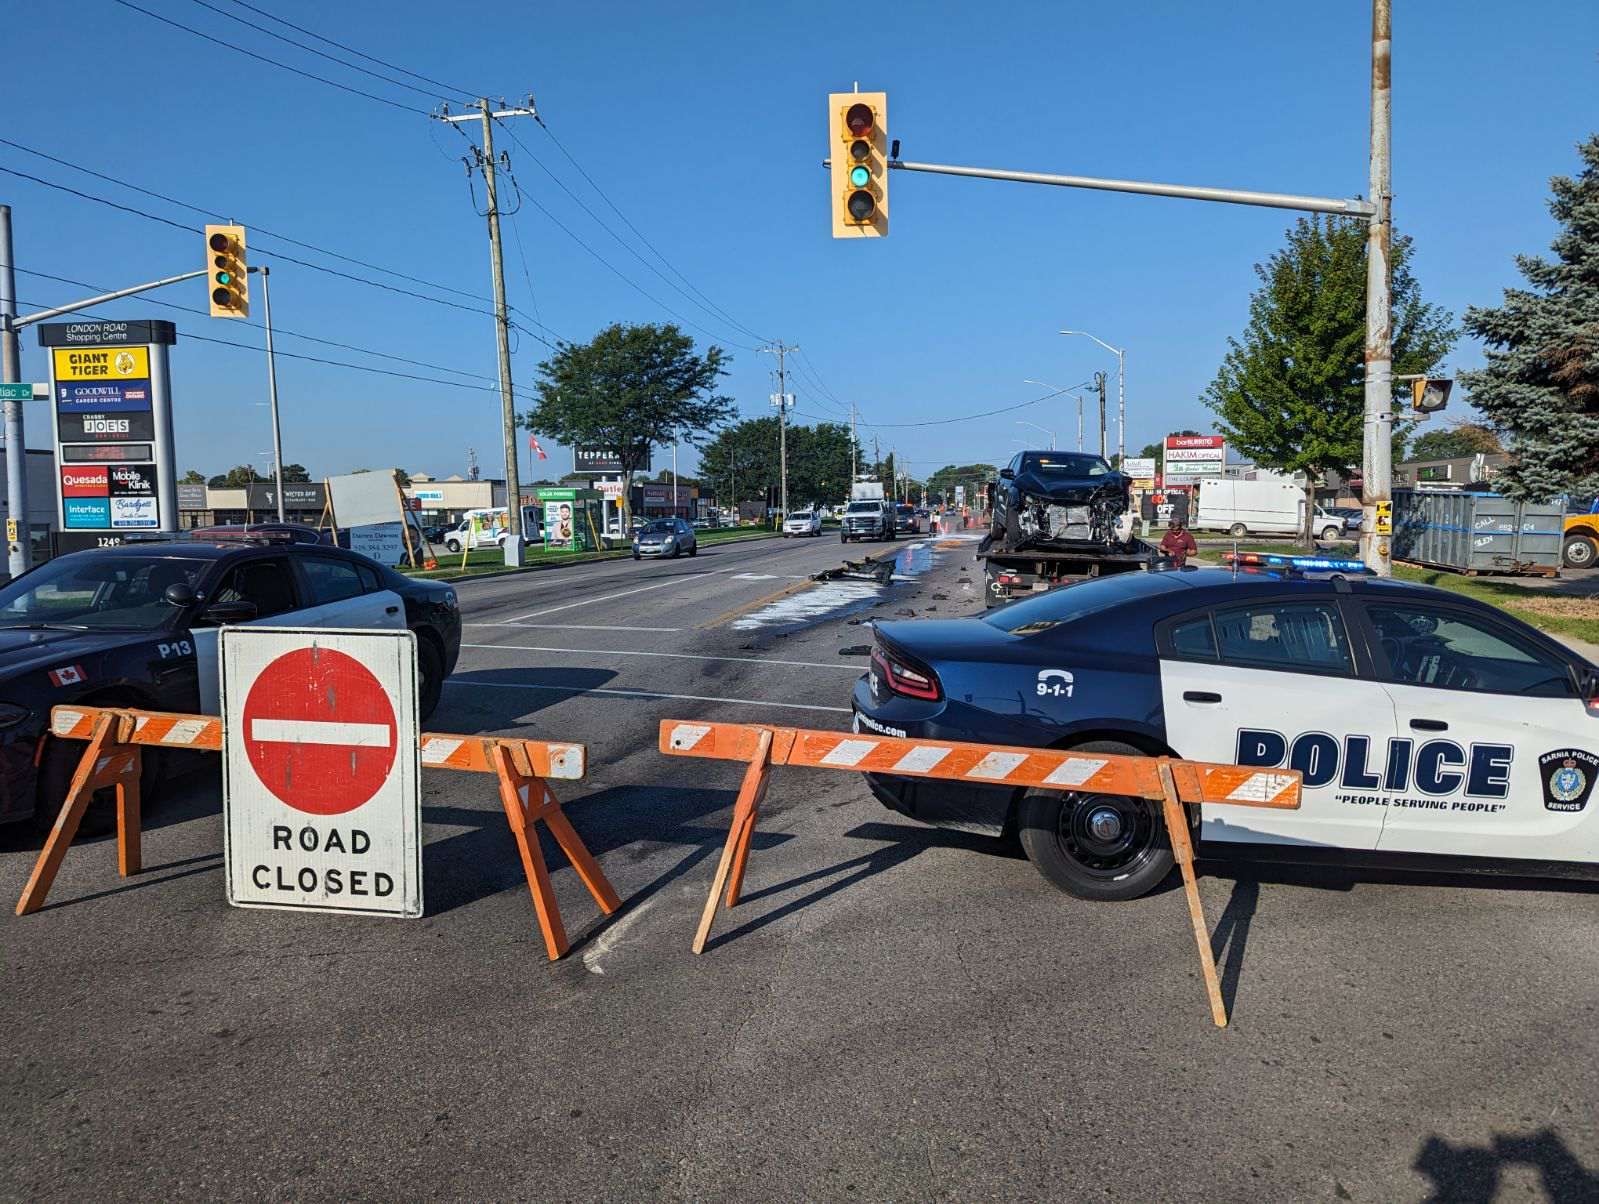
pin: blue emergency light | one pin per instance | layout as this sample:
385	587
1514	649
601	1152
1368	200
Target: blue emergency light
1313	564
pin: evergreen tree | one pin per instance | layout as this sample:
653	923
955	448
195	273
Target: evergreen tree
1541	383
1291	393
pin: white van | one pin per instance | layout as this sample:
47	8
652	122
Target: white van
491	528
1259	507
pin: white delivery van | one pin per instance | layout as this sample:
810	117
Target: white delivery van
491	528
1259	507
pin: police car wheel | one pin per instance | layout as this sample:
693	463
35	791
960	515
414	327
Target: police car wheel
56	766
1096	846
430	676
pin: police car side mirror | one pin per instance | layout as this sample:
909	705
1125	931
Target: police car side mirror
179	593
1006	474
222	613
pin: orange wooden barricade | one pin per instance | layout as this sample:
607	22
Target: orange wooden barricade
523	767
1164	780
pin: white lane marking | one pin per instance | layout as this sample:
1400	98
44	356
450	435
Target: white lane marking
318	731
1261	787
922	759
570	626
439	750
643	589
752	702
849	752
769	577
1073	773
996	766
688	735
684	656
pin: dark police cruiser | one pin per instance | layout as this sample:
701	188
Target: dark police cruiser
136	625
1422	721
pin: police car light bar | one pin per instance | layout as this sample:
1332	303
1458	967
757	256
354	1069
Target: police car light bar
1312	564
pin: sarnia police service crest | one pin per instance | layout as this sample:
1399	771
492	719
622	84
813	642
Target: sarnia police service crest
1568	776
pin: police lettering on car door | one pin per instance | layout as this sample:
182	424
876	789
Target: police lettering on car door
1436	775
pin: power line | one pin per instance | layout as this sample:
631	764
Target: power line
358	53
560	146
254	229
963	417
628	247
279	330
321	79
279	255
399	83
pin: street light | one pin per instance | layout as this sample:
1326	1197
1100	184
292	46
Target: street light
1044	384
1036	427
1121	390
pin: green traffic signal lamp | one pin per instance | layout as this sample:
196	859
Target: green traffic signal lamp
859	177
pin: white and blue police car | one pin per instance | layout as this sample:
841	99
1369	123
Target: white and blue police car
1423	722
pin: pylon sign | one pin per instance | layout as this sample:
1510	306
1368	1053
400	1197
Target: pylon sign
857	128
110	389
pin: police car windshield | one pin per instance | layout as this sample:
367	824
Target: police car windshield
1064	464
98	591
1061	606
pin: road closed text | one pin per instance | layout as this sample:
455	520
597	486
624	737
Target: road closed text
305	870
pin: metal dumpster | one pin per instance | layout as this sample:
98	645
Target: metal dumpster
1477	532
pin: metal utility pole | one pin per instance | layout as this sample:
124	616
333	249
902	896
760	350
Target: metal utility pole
1121	390
782	401
272	386
1377	442
852	446
1079	397
502	321
19	551
1099	383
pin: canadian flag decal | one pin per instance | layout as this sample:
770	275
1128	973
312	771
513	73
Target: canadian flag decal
71	675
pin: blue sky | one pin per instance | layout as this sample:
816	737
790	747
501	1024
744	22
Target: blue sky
705	124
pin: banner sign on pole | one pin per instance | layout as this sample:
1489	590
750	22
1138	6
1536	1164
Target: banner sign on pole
322	809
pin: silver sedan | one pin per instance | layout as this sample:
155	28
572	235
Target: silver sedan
665	537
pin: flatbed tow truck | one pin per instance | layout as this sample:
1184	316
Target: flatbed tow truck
1045	564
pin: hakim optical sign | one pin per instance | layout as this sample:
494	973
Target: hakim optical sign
858	154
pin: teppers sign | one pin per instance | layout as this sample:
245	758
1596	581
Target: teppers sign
321	801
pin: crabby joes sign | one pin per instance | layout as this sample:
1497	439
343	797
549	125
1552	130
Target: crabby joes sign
321	805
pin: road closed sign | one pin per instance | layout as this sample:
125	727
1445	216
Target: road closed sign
321	798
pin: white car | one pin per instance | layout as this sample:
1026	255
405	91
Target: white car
803	522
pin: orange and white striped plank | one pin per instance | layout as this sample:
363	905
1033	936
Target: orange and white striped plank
164	728
987	764
475	754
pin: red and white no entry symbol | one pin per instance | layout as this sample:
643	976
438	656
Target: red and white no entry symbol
319	731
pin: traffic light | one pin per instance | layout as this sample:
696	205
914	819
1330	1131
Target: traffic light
1429	395
227	281
858	151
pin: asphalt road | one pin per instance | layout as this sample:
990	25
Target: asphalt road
892	1013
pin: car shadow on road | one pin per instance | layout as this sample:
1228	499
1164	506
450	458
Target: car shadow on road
497	700
1345	877
1468	1174
905	843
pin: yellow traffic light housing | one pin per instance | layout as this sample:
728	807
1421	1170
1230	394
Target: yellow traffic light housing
1429	394
227	278
858	151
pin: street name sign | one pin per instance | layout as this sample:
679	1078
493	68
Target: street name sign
16	392
322	807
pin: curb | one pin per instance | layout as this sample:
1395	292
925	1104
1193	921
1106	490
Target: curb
595	558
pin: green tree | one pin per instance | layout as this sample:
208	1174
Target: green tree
627	388
941	484
1541	381
743	463
193	477
1460	439
296	474
236	477
1291	391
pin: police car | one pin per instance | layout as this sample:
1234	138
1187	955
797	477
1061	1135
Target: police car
136	625
1421	720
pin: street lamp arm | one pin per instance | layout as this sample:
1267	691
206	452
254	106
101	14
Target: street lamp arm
1097	339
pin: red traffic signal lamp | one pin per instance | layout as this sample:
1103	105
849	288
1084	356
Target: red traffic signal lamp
858	153
227	276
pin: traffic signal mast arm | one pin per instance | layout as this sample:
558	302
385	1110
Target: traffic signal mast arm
73	307
1233	196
